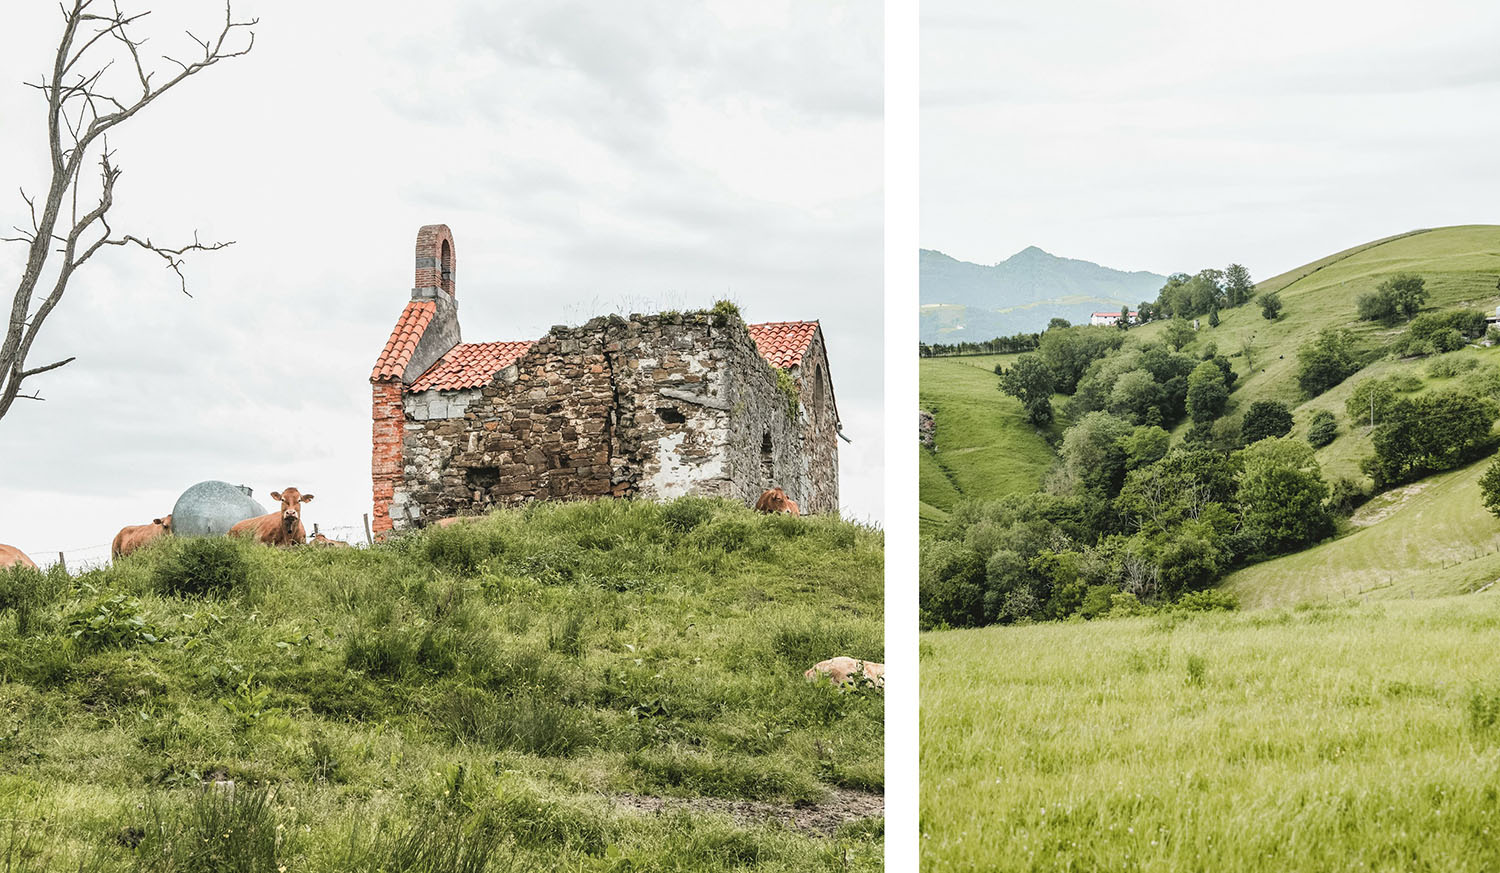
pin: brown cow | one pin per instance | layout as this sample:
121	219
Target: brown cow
844	669
320	540
10	556
132	537
774	500
280	528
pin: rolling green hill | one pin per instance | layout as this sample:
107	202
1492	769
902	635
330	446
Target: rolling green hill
599	686
1460	265
984	445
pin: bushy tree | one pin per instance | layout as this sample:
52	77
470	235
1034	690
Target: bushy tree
1237	285
1270	305
1178	333
1029	380
1056	323
1489	487
1093	452
1376	306
1438	332
1207	393
1326	361
1406	292
1428	434
1371	401
1180	486
1266	418
1280	494
1134	395
950	585
1322	429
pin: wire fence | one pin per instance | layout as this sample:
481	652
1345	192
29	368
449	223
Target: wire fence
81	559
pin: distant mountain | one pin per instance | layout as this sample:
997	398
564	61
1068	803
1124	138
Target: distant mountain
964	301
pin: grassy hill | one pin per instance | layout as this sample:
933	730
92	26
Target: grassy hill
606	686
984	445
1460	266
1307	739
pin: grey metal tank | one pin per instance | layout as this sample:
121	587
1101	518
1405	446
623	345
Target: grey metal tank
212	508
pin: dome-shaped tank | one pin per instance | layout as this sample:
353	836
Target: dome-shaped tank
212	508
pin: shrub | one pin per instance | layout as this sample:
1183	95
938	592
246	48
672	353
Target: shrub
1489	487
1207	600
204	566
1346	495
1449	366
1428	434
1376	306
112	622
1322	429
1270	305
1266	418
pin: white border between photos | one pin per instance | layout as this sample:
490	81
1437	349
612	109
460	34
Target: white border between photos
901	239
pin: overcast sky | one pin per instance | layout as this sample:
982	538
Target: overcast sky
1179	135
589	157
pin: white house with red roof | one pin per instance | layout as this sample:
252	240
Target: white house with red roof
655	407
1110	319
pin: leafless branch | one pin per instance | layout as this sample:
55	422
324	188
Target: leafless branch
81	109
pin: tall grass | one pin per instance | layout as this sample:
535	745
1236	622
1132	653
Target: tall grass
1322	738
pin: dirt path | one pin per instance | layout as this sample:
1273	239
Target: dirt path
843	806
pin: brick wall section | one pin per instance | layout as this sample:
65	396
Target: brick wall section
430	239
650	406
386	464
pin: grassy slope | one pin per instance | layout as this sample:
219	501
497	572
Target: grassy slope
1460	264
1286	740
985	447
502	680
1427	539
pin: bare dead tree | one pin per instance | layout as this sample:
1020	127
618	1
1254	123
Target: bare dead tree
83	106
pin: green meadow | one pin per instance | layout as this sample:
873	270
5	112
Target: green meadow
607	686
1328	737
984	445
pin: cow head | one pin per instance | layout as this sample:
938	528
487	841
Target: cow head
165	522
291	506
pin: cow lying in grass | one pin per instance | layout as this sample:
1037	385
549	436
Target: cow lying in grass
10	556
320	540
280	528
845	669
774	500
133	536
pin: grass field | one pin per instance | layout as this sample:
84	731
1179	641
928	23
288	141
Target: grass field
1348	737
1427	539
985	446
608	686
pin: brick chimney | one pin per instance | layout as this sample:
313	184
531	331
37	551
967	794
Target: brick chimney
426	330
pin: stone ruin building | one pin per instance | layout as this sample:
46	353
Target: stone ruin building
653	407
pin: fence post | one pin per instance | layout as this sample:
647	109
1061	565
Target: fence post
368	539
61	562
315	528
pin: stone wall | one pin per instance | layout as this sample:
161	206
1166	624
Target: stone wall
650	406
820	425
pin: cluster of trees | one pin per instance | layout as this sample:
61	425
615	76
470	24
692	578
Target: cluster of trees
1326	361
1433	333
1204	293
1060	360
1430	433
1136	521
1000	345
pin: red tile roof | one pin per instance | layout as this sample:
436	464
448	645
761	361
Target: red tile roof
397	354
469	365
783	343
